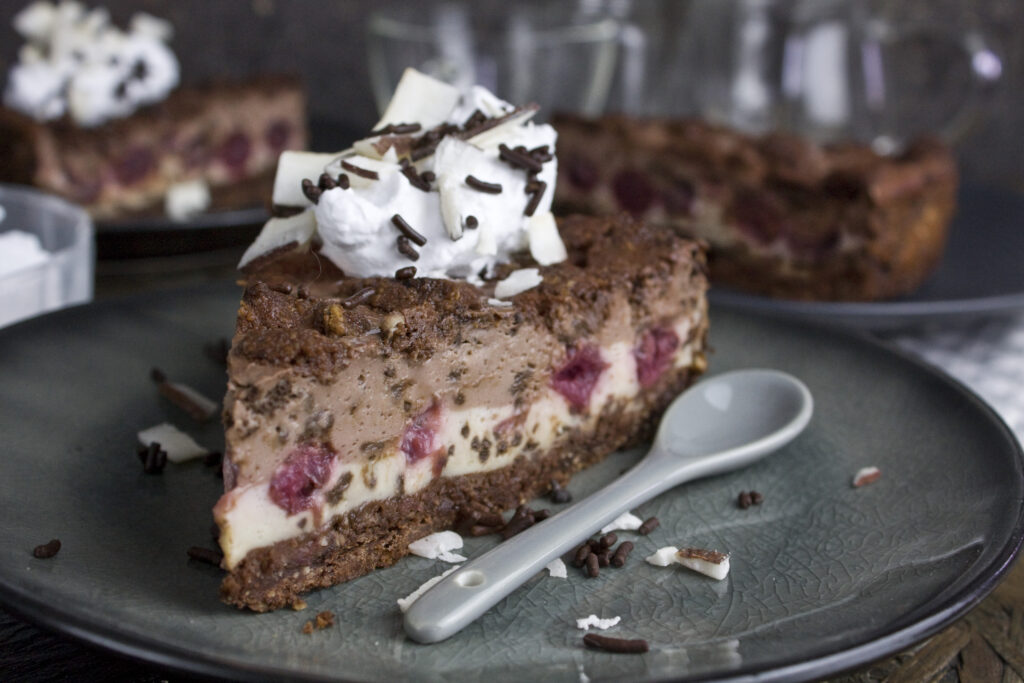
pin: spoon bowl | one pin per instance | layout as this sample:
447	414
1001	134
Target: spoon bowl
722	423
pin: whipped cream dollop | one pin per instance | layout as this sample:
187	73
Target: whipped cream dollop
450	184
76	62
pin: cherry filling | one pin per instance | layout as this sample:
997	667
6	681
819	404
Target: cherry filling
654	354
679	196
277	134
296	480
758	215
581	171
134	165
420	438
633	191
576	379
234	152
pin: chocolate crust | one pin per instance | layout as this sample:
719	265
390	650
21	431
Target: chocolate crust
377	534
856	225
291	313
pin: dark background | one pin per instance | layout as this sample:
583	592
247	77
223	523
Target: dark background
324	42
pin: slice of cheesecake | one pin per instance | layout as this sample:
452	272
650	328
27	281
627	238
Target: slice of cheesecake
365	413
783	216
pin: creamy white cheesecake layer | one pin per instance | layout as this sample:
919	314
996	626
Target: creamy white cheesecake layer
249	519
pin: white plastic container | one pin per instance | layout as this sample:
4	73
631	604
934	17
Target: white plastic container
65	275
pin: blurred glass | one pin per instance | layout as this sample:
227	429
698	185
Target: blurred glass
560	55
65	275
828	69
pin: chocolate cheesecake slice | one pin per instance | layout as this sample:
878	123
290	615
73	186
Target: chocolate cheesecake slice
783	216
364	413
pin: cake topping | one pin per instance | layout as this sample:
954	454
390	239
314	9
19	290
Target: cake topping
865	476
708	562
593	620
627	521
76	62
439	546
179	445
463	177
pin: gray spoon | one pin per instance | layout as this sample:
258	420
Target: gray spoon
722	423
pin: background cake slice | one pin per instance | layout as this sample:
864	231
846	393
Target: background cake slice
783	216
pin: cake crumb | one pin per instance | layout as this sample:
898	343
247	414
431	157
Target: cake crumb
865	476
325	619
307	628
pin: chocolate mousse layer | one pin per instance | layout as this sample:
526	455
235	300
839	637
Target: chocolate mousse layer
362	414
783	216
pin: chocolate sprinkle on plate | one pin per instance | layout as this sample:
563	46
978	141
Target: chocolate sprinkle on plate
206	555
483	185
648	526
361	172
617	645
407	230
46	550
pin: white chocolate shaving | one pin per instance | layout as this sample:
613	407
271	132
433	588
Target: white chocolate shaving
865	476
296	230
406	602
438	546
708	562
663	557
178	445
556	569
627	521
593	620
516	282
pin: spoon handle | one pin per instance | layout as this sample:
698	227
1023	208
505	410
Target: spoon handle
472	589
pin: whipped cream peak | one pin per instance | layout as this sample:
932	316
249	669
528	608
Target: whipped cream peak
76	62
452	185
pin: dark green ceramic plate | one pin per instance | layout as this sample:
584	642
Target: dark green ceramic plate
824	576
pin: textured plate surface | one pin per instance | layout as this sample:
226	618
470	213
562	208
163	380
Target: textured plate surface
824	576
979	275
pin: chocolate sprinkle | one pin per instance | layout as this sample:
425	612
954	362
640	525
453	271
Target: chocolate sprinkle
407	230
406	273
531	206
581	555
343	181
406	249
518	158
558	494
744	501
153	458
46	550
311	191
415	179
648	526
621	553
397	129
326	182
472	223
617	645
361	172
608	540
592	566
157	375
756	498
359	297
482	185
206	555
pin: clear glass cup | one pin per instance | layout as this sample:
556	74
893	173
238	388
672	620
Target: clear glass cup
878	72
559	55
65	275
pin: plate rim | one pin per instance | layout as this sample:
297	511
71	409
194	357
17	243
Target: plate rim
136	646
